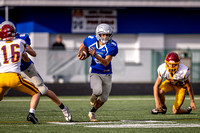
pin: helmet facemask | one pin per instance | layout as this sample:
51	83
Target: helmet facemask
172	67
104	29
106	39
172	61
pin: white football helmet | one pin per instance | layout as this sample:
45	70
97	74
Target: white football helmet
104	29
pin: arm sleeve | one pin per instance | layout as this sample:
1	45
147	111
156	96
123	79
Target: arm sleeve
27	39
159	73
187	74
113	51
25	46
85	42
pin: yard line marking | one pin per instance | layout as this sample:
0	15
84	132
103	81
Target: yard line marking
144	126
147	121
111	99
136	124
81	123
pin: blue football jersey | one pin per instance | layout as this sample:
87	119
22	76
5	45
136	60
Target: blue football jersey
25	37
102	51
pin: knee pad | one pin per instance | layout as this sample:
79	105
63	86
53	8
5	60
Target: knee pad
43	89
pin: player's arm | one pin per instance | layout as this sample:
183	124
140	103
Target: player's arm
191	94
103	61
82	55
25	57
31	51
156	91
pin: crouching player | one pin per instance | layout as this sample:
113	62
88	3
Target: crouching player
177	78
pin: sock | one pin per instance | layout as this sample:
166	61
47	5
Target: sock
93	110
62	106
32	111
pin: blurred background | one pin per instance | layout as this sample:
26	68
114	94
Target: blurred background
145	30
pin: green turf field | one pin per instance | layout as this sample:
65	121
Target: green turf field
120	114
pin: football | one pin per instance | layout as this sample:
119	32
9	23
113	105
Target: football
83	53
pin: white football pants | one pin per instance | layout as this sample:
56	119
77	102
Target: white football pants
33	76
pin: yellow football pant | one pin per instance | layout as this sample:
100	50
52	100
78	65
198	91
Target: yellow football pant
166	86
15	81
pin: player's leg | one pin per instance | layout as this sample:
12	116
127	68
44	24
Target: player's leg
32	75
3	85
64	108
106	88
96	86
2	92
165	87
18	83
180	97
33	105
93	99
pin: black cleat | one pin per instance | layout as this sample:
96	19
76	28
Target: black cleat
189	109
31	117
155	111
162	111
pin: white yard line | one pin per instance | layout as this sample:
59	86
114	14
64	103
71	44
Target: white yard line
144	126
111	99
129	124
82	123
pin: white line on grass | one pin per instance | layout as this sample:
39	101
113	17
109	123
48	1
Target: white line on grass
108	122
122	124
111	99
144	126
81	123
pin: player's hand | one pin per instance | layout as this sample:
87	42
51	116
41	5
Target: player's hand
159	107
193	106
92	51
82	56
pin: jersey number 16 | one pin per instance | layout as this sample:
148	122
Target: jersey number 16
15	55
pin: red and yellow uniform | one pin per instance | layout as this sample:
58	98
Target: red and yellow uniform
175	82
10	60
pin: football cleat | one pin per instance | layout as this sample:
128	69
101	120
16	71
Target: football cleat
91	115
93	100
157	111
67	114
189	109
31	117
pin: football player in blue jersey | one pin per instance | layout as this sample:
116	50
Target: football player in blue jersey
28	71
102	49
